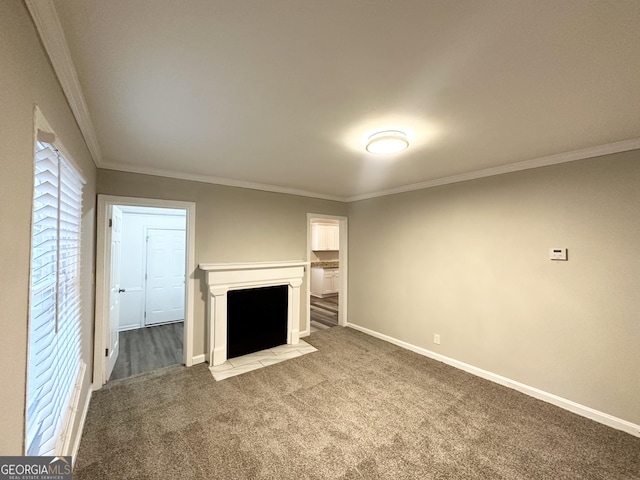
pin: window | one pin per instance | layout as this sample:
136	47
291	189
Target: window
54	361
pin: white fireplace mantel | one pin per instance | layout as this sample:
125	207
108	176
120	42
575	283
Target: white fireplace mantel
222	277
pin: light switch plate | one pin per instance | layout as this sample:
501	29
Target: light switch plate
557	254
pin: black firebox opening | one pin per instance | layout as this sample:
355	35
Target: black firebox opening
256	319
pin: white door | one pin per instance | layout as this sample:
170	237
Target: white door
113	344
165	276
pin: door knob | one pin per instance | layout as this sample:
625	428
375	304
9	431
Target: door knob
121	290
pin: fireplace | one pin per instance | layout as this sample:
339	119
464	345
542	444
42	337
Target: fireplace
256	319
228	282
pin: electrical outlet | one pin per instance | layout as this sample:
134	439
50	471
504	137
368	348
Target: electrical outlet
436	339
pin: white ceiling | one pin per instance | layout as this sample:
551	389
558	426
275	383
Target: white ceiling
280	93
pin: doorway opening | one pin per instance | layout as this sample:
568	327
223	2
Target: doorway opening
327	280
144	276
151	289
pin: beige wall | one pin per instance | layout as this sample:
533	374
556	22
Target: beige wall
232	225
469	261
26	78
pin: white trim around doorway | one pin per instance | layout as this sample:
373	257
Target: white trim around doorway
343	260
103	262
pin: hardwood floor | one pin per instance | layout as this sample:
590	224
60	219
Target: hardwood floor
149	348
324	312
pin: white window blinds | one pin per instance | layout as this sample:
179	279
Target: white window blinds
54	313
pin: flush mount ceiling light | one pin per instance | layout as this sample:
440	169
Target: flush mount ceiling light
387	141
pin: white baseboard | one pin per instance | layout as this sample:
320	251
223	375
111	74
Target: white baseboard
83	417
305	333
569	405
198	359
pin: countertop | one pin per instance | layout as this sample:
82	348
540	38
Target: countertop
333	264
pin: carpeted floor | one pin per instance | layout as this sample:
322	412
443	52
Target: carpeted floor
359	408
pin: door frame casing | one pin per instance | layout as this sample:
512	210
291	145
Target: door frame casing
343	259
103	259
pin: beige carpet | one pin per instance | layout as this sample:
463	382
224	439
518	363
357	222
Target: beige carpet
359	408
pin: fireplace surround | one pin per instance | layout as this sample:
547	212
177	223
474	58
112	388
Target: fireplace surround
224	277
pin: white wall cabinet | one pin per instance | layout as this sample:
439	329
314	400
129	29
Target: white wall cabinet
325	237
325	281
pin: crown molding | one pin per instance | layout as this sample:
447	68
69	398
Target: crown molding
219	181
583	154
50	30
